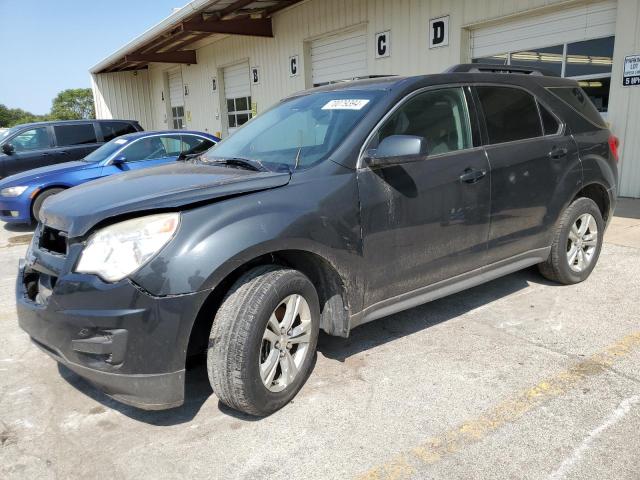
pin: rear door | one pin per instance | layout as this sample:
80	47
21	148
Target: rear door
74	141
426	220
531	167
32	149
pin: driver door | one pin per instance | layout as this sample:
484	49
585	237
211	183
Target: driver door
32	149
425	220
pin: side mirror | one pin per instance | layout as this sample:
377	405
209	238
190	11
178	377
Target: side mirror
8	149
119	161
397	149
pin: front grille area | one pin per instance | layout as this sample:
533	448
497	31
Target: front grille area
53	241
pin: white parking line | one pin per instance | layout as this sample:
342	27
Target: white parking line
576	455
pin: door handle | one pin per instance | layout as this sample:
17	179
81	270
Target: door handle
471	175
558	152
63	153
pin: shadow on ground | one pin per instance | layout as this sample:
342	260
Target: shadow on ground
370	335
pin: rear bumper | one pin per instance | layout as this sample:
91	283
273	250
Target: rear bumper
15	209
126	342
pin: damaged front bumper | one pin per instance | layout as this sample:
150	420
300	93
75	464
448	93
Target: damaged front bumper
125	341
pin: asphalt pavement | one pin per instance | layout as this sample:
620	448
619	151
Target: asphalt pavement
518	378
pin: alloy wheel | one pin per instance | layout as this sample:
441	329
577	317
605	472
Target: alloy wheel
285	343
582	242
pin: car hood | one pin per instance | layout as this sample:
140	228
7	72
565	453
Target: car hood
78	209
30	176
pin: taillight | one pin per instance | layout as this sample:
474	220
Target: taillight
613	146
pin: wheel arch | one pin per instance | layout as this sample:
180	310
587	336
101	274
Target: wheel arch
39	191
332	293
599	194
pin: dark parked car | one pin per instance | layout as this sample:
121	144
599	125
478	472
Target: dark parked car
34	145
336	207
23	194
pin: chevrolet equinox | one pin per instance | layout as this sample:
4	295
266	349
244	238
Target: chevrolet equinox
338	206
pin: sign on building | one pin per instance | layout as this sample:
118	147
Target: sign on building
255	75
293	65
383	44
631	74
439	32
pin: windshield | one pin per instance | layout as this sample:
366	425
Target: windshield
297	133
106	150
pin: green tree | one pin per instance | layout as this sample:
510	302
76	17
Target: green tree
15	116
73	104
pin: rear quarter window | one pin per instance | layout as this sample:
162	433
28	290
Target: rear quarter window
577	99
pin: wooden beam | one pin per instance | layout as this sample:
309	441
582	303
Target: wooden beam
257	27
179	56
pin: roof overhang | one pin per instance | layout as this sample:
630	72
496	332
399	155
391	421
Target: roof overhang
169	40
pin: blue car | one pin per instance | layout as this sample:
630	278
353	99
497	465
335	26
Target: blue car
22	195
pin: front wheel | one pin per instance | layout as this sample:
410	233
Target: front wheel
263	341
37	203
576	245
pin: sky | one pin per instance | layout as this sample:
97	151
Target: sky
49	45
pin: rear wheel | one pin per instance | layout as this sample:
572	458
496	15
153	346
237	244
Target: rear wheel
576	245
37	203
263	341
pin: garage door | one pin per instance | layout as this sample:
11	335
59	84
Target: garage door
573	24
176	99
237	92
342	56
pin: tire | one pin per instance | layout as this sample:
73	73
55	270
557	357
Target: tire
563	266
239	349
37	203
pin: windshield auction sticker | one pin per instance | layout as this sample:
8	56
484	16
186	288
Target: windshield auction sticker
631	75
345	104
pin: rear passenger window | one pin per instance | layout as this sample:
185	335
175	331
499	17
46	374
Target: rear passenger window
439	116
511	114
550	124
79	134
580	101
111	130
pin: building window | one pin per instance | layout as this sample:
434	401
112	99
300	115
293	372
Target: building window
589	62
238	111
177	116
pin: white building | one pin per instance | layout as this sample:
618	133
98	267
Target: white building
213	64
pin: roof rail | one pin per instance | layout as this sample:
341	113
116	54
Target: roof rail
498	68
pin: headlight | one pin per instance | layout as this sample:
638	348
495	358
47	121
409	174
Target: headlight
12	191
120	249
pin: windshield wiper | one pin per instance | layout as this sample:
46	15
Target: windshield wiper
254	165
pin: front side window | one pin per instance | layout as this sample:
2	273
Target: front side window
33	139
145	149
439	116
510	114
171	144
79	134
298	132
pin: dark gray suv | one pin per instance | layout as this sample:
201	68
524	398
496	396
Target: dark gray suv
338	206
